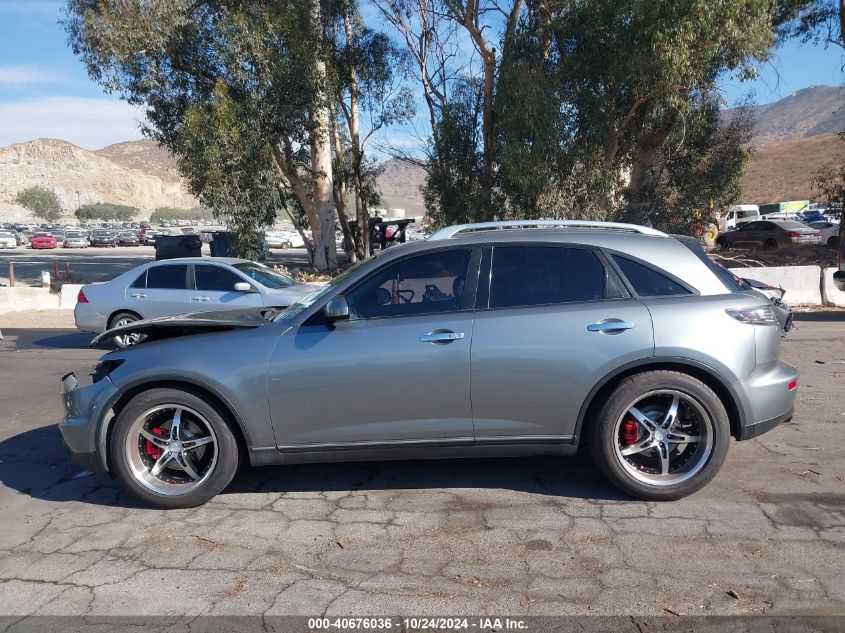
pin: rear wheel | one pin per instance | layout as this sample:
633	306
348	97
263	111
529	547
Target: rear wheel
832	241
119	320
661	435
722	243
172	449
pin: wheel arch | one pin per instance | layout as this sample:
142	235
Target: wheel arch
707	375
125	395
122	311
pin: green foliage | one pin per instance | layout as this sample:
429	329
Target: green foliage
41	202
165	214
103	211
592	102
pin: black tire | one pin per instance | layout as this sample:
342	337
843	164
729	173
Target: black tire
603	438
832	241
722	243
770	244
122	341
226	445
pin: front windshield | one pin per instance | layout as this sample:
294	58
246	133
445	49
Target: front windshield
311	298
264	275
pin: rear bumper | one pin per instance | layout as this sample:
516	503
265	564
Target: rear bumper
89	319
766	398
839	280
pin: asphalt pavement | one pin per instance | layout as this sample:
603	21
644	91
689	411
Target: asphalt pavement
508	536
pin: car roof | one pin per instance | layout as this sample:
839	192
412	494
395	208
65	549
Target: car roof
203	260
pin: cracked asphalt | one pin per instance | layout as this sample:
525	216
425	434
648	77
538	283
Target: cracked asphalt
511	536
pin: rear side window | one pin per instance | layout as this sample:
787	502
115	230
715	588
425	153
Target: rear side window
171	277
540	275
646	281
215	279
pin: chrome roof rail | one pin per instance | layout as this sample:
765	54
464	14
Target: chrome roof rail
452	231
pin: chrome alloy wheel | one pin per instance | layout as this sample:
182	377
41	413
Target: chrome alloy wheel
131	338
664	437
171	449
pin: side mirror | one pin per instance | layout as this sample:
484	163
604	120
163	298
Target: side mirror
336	309
243	286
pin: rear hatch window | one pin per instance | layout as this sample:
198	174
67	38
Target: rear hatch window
731	281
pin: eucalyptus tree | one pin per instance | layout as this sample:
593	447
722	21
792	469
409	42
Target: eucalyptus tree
239	91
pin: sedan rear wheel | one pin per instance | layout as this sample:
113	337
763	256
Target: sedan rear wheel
661	435
130	338
172	449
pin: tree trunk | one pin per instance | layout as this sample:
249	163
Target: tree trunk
322	220
362	243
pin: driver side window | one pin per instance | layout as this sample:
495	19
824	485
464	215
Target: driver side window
425	284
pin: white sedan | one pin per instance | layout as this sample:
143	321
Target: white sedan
829	231
177	286
8	240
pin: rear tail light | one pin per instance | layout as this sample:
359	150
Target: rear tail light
792	386
795	234
817	234
81	298
761	315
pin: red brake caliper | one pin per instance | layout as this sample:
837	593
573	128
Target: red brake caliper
630	432
152	450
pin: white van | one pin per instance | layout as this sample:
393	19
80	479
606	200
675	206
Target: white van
739	214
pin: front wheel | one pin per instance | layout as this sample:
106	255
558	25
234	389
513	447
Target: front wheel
172	449
770	245
661	435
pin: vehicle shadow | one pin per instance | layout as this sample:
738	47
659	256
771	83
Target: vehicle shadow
23	339
34	463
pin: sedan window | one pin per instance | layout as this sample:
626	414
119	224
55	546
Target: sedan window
425	284
264	275
171	277
215	279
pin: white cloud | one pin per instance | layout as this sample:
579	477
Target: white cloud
27	75
89	123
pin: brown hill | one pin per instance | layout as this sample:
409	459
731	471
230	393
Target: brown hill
808	112
81	176
785	171
400	184
146	156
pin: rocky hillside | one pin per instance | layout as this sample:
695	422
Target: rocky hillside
78	175
145	156
808	112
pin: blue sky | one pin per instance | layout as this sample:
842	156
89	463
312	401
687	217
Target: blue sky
45	92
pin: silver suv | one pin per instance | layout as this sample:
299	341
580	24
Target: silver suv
519	338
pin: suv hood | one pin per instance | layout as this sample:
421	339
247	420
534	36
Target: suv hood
191	323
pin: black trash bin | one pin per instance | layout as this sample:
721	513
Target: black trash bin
171	246
222	245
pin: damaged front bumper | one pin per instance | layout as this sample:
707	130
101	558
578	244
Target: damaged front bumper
86	408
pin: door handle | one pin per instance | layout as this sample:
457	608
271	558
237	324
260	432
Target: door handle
441	337
139	295
610	326
199	298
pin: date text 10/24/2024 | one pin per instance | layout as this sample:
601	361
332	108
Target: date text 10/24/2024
418	623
